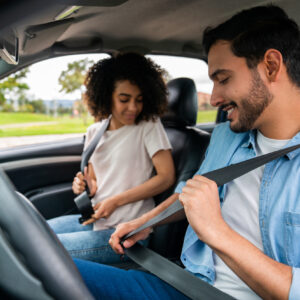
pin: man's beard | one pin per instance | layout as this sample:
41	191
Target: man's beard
251	107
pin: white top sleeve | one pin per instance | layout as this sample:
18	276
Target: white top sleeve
155	138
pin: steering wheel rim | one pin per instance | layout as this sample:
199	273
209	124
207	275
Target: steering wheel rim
37	246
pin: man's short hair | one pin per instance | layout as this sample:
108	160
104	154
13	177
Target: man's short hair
253	31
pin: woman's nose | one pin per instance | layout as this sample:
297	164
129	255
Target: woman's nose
132	106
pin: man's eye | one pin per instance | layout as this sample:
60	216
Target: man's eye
224	80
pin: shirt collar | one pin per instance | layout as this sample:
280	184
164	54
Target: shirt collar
250	140
294	141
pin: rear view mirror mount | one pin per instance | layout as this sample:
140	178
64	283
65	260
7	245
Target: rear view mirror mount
9	50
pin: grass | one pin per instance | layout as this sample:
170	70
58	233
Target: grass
12	118
64	124
206	116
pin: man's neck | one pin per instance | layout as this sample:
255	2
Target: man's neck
282	120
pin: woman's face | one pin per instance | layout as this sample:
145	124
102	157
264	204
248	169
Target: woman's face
127	104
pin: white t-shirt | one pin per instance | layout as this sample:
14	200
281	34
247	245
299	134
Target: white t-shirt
123	160
240	211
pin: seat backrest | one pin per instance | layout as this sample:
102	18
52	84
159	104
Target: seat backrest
188	150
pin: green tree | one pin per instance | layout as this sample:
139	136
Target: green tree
72	80
38	106
13	87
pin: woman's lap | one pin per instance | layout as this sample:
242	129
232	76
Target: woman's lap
106	282
90	245
69	223
82	241
85	243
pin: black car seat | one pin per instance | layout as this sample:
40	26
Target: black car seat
188	149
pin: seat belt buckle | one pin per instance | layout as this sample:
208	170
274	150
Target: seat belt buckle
84	205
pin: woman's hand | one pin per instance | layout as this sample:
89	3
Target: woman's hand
103	209
78	185
79	182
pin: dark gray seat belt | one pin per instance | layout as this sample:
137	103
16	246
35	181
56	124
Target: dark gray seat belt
83	201
183	281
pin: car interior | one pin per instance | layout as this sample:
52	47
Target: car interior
36	180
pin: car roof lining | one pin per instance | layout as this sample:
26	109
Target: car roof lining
149	27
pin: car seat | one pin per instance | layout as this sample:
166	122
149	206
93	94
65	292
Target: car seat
188	149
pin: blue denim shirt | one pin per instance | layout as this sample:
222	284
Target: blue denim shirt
279	204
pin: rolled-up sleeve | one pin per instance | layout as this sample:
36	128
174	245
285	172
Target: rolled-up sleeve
179	187
295	286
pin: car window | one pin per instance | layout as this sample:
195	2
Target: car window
41	103
197	70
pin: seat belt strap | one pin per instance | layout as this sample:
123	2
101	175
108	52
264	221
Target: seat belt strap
83	201
182	280
220	176
87	153
177	277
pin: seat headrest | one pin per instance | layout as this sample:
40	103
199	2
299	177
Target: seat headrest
182	102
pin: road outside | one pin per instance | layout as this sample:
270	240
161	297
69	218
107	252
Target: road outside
8	142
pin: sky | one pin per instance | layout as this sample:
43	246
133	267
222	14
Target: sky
43	76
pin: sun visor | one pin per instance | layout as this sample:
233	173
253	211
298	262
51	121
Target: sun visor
43	36
78	47
99	3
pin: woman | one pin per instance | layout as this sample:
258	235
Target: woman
130	90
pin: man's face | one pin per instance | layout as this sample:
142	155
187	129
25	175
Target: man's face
237	89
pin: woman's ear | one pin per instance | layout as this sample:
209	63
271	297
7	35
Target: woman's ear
273	64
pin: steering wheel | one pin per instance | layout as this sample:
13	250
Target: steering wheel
36	264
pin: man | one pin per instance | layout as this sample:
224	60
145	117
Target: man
249	245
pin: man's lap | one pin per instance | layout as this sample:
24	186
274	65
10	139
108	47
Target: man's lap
106	282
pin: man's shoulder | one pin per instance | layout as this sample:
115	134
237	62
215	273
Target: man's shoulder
223	143
224	135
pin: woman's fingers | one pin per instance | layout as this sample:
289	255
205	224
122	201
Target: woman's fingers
89	221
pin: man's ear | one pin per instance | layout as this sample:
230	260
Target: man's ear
273	64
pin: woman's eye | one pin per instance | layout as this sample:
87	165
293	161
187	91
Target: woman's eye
124	100
139	100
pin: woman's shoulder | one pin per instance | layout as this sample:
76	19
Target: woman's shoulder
152	128
92	129
150	124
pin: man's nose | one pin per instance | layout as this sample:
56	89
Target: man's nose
216	98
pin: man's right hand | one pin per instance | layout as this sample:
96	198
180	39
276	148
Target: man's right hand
123	229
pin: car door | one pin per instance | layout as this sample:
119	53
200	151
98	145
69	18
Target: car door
44	173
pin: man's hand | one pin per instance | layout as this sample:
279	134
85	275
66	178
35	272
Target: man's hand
200	199
122	230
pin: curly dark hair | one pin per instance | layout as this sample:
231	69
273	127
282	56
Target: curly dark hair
102	77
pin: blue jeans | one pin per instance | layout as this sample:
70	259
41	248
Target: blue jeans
106	282
82	242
